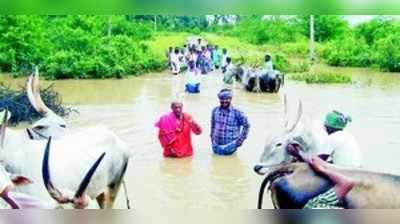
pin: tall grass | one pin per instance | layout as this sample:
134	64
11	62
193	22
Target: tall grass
322	78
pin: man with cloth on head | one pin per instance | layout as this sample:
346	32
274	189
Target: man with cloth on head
343	150
175	130
229	126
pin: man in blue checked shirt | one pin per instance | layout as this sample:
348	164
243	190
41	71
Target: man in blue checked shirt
229	126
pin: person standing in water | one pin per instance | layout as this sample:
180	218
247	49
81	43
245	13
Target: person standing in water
168	54
229	126
175	130
217	56
192	78
229	75
175	62
224	62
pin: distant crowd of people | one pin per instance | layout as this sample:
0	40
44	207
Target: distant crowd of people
197	58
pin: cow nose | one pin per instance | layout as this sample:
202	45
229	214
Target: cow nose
257	168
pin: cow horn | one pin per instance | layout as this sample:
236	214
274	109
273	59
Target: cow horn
285	105
3	128
281	170
299	114
41	107
86	180
10	200
261	192
29	92
53	191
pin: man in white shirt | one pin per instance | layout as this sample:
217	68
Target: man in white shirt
344	151
224	63
340	145
175	62
268	67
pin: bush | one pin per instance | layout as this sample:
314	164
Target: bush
387	55
376	29
69	47
300	67
348	51
299	49
259	31
281	63
327	27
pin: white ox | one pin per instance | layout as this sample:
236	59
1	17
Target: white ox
309	137
63	198
22	152
71	156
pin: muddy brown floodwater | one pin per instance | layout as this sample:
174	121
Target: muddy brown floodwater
131	106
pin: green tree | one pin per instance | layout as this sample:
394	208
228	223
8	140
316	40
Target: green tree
327	27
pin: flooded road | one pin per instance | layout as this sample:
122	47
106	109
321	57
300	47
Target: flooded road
131	106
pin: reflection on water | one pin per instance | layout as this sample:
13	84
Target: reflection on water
131	106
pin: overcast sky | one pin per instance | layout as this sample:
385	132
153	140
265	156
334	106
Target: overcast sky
356	19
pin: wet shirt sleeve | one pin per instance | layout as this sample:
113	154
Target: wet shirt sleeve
212	124
244	122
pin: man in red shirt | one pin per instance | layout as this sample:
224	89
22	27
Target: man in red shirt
175	132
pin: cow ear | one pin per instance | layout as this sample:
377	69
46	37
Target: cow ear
20	180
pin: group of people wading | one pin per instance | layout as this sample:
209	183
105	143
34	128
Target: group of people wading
197	57
230	126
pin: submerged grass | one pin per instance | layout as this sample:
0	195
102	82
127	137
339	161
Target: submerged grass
322	78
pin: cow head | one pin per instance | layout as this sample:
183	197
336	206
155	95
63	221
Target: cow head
275	152
51	124
77	199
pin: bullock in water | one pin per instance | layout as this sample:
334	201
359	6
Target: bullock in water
292	184
255	80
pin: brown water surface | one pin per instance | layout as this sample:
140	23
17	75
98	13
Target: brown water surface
131	106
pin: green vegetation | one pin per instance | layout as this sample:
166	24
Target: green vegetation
322	78
371	44
76	46
117	46
163	40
